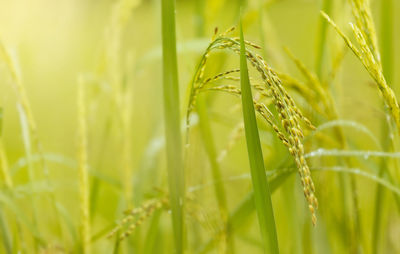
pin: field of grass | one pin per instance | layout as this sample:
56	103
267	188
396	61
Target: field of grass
199	126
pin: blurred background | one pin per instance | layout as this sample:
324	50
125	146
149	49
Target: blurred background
113	48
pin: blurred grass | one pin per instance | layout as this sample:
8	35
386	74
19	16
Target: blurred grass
118	46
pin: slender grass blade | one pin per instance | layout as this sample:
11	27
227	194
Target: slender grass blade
262	196
172	123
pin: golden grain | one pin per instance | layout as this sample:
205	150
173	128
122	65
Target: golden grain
289	114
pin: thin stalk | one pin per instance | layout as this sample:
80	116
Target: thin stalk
379	196
172	122
151	236
387	39
387	65
127	148
96	182
5	170
30	168
4	166
322	35
262	195
5	232
261	27
199	17
83	169
3	158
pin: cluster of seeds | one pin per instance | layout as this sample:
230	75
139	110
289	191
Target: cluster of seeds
136	216
367	52
290	116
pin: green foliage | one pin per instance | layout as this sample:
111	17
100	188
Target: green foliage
172	122
287	115
262	196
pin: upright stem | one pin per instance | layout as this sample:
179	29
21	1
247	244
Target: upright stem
387	39
172	122
386	36
321	45
83	170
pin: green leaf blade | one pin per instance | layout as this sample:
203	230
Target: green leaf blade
262	195
172	122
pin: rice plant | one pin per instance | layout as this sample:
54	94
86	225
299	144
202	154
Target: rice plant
258	126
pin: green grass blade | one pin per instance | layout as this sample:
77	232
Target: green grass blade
7	180
387	49
152	232
387	66
83	169
321	152
322	34
66	216
340	123
6	238
172	123
262	194
377	218
387	10
117	244
95	182
5	170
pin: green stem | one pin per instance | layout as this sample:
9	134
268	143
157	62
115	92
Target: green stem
387	65
321	45
5	232
172	122
387	39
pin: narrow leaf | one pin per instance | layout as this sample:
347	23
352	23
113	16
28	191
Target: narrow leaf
171	118
262	196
